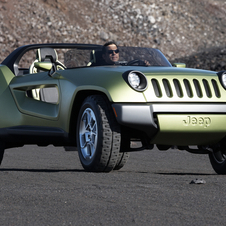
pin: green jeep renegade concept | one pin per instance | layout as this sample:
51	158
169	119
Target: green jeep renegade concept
61	94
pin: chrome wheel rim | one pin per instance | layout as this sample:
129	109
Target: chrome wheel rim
88	134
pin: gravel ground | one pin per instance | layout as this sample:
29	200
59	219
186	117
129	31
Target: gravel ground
47	186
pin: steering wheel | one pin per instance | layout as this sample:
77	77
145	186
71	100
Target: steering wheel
135	61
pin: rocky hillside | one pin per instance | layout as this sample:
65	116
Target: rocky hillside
192	31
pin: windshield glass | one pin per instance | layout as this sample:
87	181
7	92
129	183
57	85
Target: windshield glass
86	57
127	56
153	56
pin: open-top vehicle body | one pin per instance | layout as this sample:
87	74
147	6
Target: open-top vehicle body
61	94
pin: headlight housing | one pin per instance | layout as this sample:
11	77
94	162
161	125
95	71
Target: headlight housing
137	80
223	79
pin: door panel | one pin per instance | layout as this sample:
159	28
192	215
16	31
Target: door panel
46	103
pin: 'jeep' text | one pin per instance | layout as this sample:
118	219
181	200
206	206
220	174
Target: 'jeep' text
197	121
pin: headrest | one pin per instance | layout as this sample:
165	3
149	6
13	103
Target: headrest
96	57
46	54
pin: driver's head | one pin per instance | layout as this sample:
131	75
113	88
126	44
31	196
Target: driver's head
110	52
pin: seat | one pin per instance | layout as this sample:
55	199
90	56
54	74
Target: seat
96	58
46	55
46	94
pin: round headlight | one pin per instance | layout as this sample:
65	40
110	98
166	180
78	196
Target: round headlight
137	80
223	79
134	80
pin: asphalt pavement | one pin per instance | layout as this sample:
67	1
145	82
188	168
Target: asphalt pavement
48	186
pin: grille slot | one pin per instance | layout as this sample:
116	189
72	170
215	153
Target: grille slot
207	88
167	87
190	88
156	87
216	88
197	88
178	88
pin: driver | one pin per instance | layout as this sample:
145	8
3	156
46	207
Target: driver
110	53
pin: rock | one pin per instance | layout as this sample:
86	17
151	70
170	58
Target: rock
198	181
104	36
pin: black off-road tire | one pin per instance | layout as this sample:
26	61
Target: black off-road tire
122	160
2	151
98	135
218	162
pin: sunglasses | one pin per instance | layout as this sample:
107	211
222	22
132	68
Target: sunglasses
111	51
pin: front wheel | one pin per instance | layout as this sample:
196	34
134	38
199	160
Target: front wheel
218	161
98	135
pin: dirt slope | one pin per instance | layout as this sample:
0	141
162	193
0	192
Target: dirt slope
189	30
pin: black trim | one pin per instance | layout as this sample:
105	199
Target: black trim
42	136
143	80
12	60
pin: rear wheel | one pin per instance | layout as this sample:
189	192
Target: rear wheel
2	151
218	161
98	135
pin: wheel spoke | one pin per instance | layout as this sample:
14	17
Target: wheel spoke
84	123
88	151
82	140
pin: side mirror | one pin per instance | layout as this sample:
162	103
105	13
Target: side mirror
182	65
45	66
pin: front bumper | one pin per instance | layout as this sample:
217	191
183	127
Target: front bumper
175	124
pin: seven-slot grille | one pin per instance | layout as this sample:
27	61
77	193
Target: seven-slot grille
189	88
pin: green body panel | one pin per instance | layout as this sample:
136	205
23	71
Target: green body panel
194	129
8	108
108	80
26	105
18	108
